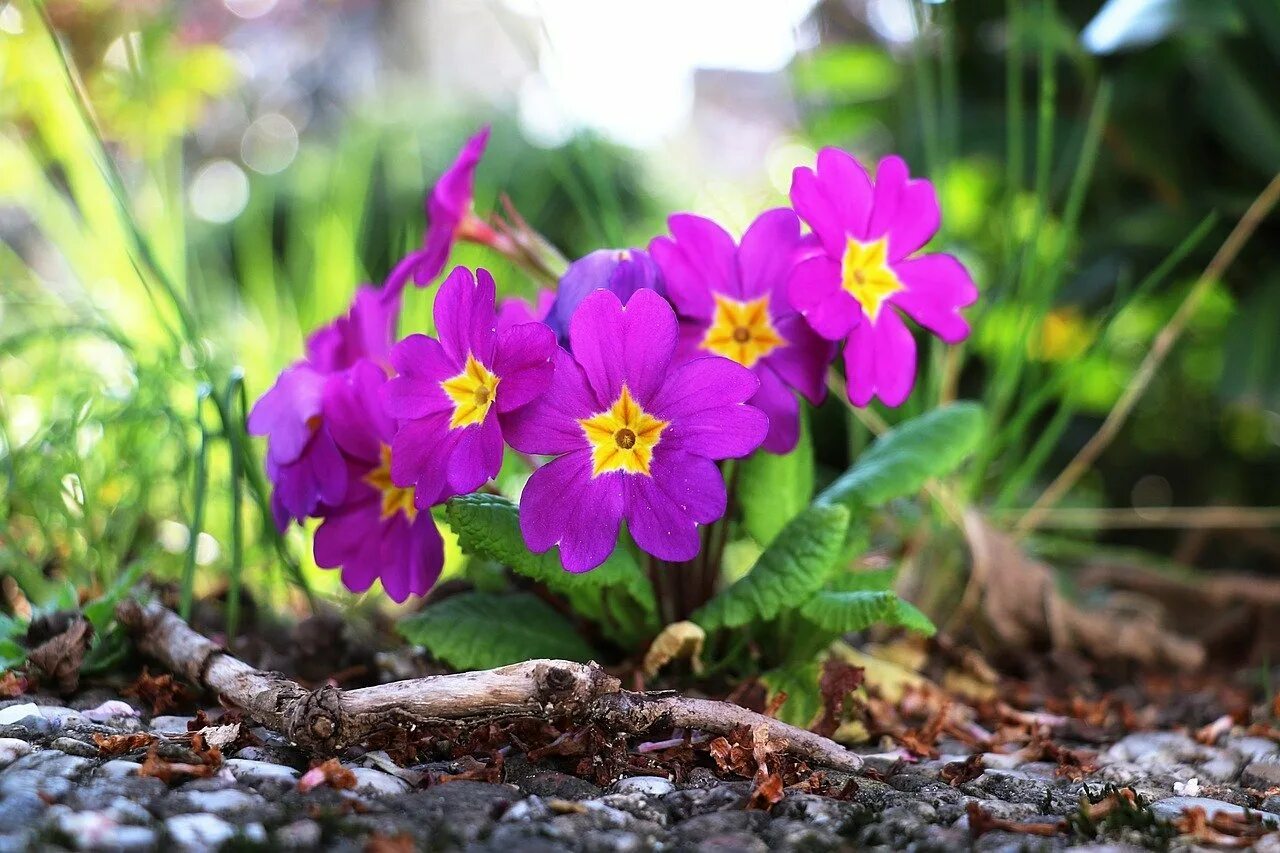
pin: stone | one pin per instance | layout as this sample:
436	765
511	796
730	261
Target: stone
375	783
299	835
1271	804
12	749
118	767
53	716
198	831
71	746
654	786
261	772
227	802
1252	747
1171	807
171	725
95	830
1262	775
552	783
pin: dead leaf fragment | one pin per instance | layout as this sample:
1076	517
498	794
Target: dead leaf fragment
109	746
58	659
331	773
958	773
161	692
677	641
839	679
379	843
1023	610
981	822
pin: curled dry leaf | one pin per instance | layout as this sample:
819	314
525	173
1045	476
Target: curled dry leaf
13	684
329	772
981	822
167	771
161	692
677	641
58	659
109	746
1223	829
1022	610
958	773
839	679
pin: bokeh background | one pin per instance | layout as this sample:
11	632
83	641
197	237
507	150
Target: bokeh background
187	188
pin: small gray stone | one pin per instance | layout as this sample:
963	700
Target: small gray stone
225	802
1261	775
653	786
530	808
71	746
118	767
95	830
1172	807
198	831
260	772
1252	747
1271	804
12	749
171	725
375	783
299	835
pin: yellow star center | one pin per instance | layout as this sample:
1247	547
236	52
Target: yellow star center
867	276
394	498
623	437
472	392
742	331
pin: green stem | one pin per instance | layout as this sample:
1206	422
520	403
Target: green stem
197	510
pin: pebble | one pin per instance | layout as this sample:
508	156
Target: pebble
376	783
171	725
100	831
1171	807
71	746
224	802
53	714
198	831
299	835
259	772
118	767
1262	775
653	786
12	749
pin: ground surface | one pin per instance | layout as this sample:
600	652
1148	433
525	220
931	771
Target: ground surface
57	790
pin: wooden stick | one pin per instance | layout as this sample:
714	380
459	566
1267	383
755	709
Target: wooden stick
328	719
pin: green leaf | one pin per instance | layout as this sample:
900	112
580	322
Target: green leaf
10	627
804	697
841	612
790	570
874	580
489	526
774	489
900	462
479	630
11	654
101	611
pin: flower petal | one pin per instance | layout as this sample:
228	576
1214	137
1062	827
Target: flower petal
422	365
353	411
780	406
709	254
476	456
549	425
411	554
809	198
704	404
769	249
937	287
814	290
880	361
663	511
906	210
420	455
524	362
803	363
616	345
466	319
284	411
343	540
562	504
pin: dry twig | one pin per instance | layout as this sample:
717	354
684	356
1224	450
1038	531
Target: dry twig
328	718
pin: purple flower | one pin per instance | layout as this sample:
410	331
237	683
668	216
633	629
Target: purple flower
635	436
375	529
864	273
513	310
367	330
449	216
620	271
303	462
731	303
453	395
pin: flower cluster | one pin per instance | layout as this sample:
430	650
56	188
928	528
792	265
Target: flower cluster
622	389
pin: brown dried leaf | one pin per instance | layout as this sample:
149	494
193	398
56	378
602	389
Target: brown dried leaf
839	679
109	746
1223	830
1022	609
166	771
958	773
679	640
981	822
331	773
13	684
766	793
58	659
379	843
161	692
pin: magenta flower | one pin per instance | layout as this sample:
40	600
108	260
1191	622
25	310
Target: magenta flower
731	303
635	436
453	395
449	217
375	530
620	271
303	463
513	311
864	273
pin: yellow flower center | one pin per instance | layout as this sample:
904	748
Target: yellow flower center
742	331
867	276
623	437
472	392
394	498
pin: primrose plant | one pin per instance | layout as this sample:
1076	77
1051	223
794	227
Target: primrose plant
656	401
